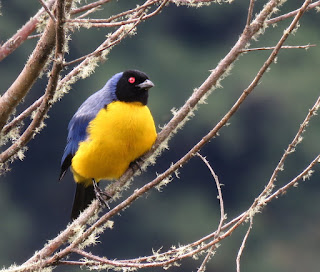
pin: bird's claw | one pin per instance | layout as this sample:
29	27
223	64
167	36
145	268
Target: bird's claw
102	196
137	163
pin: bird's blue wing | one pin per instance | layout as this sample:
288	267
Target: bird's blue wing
77	133
77	128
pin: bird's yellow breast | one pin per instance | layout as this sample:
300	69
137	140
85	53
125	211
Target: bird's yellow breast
118	135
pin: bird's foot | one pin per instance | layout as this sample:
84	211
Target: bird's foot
137	163
102	196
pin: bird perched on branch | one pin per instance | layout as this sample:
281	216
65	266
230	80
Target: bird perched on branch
110	130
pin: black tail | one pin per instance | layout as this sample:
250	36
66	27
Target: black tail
82	199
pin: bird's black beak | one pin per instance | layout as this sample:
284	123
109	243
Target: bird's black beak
146	85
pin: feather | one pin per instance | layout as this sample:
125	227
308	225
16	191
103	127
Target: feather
77	128
82	199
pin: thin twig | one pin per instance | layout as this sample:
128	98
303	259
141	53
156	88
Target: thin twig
88	12
250	11
27	112
22	34
282	47
34	36
243	244
305	174
292	146
186	2
222	214
47	10
107	22
89	6
136	21
291	14
100	50
125	13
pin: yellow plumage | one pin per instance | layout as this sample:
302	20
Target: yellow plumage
118	135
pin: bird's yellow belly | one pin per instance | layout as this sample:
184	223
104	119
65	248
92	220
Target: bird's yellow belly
118	135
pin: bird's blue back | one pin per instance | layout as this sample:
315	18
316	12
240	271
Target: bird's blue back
77	128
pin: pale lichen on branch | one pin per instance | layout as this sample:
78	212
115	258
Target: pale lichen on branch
80	234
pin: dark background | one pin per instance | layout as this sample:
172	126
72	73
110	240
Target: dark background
177	49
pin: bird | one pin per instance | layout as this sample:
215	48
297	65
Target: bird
111	130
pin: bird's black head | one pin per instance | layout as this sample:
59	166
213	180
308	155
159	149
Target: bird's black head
133	86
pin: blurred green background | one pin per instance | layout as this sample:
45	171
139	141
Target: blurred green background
177	49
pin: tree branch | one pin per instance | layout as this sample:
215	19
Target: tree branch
16	40
49	256
282	47
51	87
29	74
47	9
291	14
243	244
108	22
222	213
250	11
89	6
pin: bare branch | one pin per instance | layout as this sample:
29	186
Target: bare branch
187	2
282	47
107	46
305	174
136	21
222	214
108	22
28	75
27	112
34	36
250	11
89	6
22	34
47	9
243	244
51	88
292	146
291	14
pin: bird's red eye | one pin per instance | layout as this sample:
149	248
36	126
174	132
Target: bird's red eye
131	80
